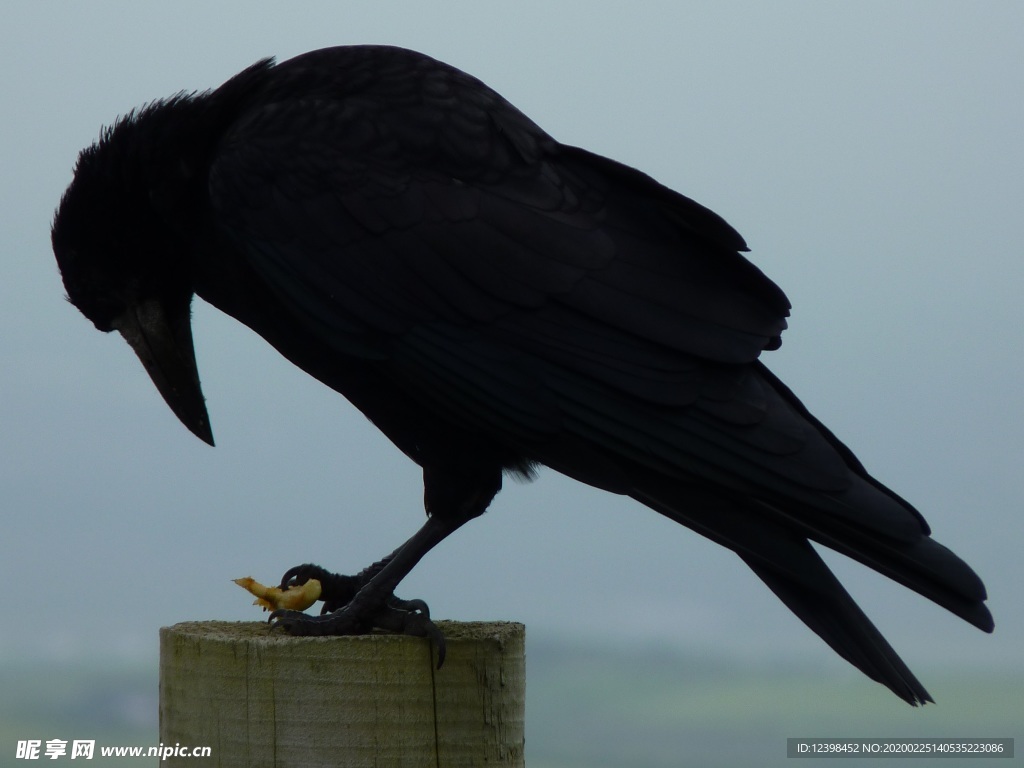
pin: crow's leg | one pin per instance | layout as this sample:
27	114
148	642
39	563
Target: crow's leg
357	604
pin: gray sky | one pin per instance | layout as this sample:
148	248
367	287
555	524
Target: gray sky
870	154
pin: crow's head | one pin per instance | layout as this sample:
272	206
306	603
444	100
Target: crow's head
123	266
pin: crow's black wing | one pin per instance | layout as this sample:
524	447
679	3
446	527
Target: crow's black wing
416	210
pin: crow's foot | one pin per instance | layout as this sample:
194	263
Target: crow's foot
336	590
353	607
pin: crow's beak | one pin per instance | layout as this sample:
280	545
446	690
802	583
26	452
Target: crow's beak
164	345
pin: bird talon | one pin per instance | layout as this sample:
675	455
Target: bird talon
287	620
411	606
406	617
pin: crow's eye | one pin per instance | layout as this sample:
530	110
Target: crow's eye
100	305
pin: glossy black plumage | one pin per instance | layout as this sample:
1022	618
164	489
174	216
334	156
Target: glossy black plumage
492	300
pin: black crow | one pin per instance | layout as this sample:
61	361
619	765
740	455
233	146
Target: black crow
493	301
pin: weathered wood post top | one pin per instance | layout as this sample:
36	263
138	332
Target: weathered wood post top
262	698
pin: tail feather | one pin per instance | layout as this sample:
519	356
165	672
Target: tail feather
924	566
777	549
832	614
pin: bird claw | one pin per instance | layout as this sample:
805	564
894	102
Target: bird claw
300	574
340	622
341	616
411	617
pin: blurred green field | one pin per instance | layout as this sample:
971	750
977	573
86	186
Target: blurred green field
663	709
115	705
589	707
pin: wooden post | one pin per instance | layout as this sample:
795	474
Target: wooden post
261	698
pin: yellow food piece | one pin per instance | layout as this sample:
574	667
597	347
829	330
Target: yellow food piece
297	598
